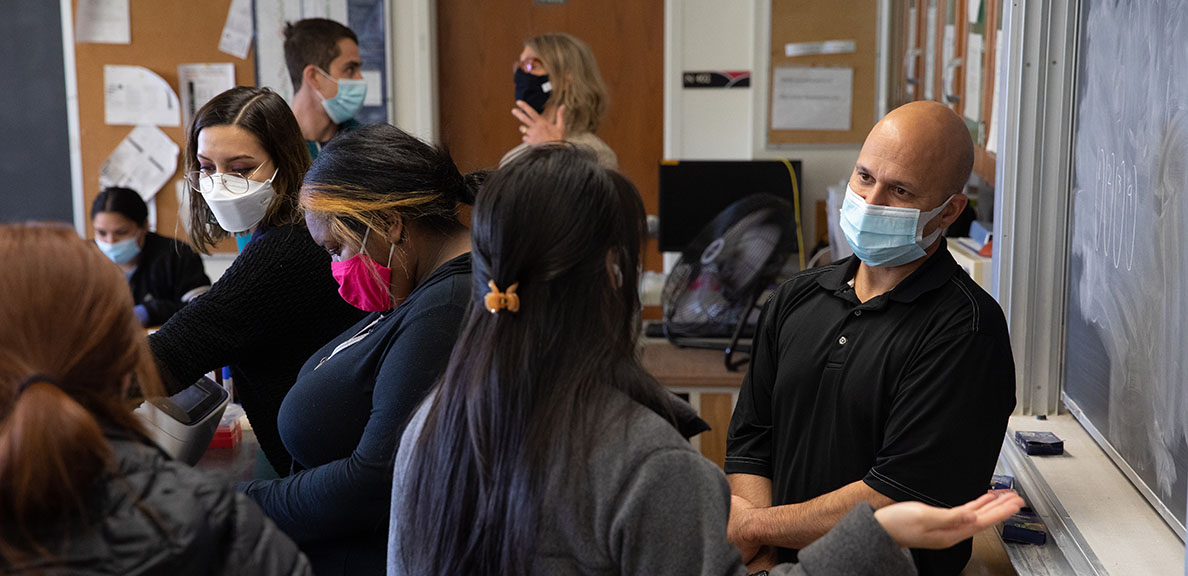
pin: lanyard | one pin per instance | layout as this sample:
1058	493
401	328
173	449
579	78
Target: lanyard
358	337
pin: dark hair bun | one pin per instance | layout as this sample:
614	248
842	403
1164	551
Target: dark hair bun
472	182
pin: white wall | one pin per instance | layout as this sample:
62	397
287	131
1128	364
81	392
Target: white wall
728	124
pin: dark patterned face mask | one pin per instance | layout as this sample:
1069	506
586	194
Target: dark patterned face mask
534	90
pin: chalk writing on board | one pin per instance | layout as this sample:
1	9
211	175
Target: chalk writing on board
1126	336
1115	202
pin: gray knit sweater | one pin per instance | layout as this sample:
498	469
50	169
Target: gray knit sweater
657	507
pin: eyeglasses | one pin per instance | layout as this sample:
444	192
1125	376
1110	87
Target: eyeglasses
203	182
531	65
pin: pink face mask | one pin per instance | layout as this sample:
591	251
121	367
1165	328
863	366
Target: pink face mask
363	282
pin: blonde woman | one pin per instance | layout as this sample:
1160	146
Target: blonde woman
560	96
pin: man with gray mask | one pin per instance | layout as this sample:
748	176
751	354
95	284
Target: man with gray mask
884	377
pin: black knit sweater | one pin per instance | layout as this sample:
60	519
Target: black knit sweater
273	308
167	275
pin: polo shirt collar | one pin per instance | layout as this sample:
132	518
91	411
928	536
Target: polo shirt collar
932	274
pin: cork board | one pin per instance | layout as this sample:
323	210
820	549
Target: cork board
164	35
797	21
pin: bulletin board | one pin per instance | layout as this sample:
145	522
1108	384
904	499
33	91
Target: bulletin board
801	21
164	35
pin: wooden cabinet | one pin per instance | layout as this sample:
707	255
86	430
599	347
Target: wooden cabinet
699	376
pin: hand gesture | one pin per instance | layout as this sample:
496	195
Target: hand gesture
537	129
917	525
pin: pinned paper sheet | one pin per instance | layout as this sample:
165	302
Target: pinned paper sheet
237	30
135	95
992	135
152	214
182	191
199	83
375	88
103	22
792	50
812	98
973	78
144	161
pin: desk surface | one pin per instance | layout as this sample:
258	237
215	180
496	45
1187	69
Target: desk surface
688	367
237	464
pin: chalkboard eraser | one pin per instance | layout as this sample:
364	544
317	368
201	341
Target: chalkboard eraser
1025	527
1039	443
1002	482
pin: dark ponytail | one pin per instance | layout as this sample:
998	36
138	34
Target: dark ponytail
472	182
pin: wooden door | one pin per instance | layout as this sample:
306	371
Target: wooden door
479	43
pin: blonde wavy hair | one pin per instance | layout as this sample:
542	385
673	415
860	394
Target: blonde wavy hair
577	83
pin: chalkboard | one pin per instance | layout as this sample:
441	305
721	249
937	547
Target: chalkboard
1126	347
35	179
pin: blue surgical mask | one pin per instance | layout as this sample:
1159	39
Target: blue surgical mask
347	102
886	235
121	252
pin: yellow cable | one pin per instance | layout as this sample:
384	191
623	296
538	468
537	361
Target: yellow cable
796	206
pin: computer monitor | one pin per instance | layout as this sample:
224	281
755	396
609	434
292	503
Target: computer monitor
693	192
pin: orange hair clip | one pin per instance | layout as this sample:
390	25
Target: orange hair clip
495	300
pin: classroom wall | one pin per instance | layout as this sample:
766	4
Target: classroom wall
725	124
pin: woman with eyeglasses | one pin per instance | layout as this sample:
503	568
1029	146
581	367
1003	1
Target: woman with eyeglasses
83	490
275	305
547	449
560	96
384	205
164	274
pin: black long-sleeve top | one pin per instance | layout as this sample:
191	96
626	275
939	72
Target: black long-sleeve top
264	317
168	275
343	419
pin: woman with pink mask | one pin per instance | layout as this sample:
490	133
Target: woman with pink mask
384	205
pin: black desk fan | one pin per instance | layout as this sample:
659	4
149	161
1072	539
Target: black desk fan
712	290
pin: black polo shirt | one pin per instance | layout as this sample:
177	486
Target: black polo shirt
908	392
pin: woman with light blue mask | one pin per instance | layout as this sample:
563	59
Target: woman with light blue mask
164	273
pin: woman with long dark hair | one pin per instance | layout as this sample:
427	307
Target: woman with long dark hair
245	159
547	449
384	205
82	488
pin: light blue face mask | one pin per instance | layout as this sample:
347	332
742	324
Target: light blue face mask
347	102
121	252
886	235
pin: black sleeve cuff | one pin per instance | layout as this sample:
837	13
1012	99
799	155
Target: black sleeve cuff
748	465
899	492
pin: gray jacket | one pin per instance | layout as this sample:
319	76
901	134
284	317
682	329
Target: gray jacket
655	506
158	516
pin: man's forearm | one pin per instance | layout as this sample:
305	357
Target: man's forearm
798	525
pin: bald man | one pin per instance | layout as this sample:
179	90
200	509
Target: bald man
884	377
